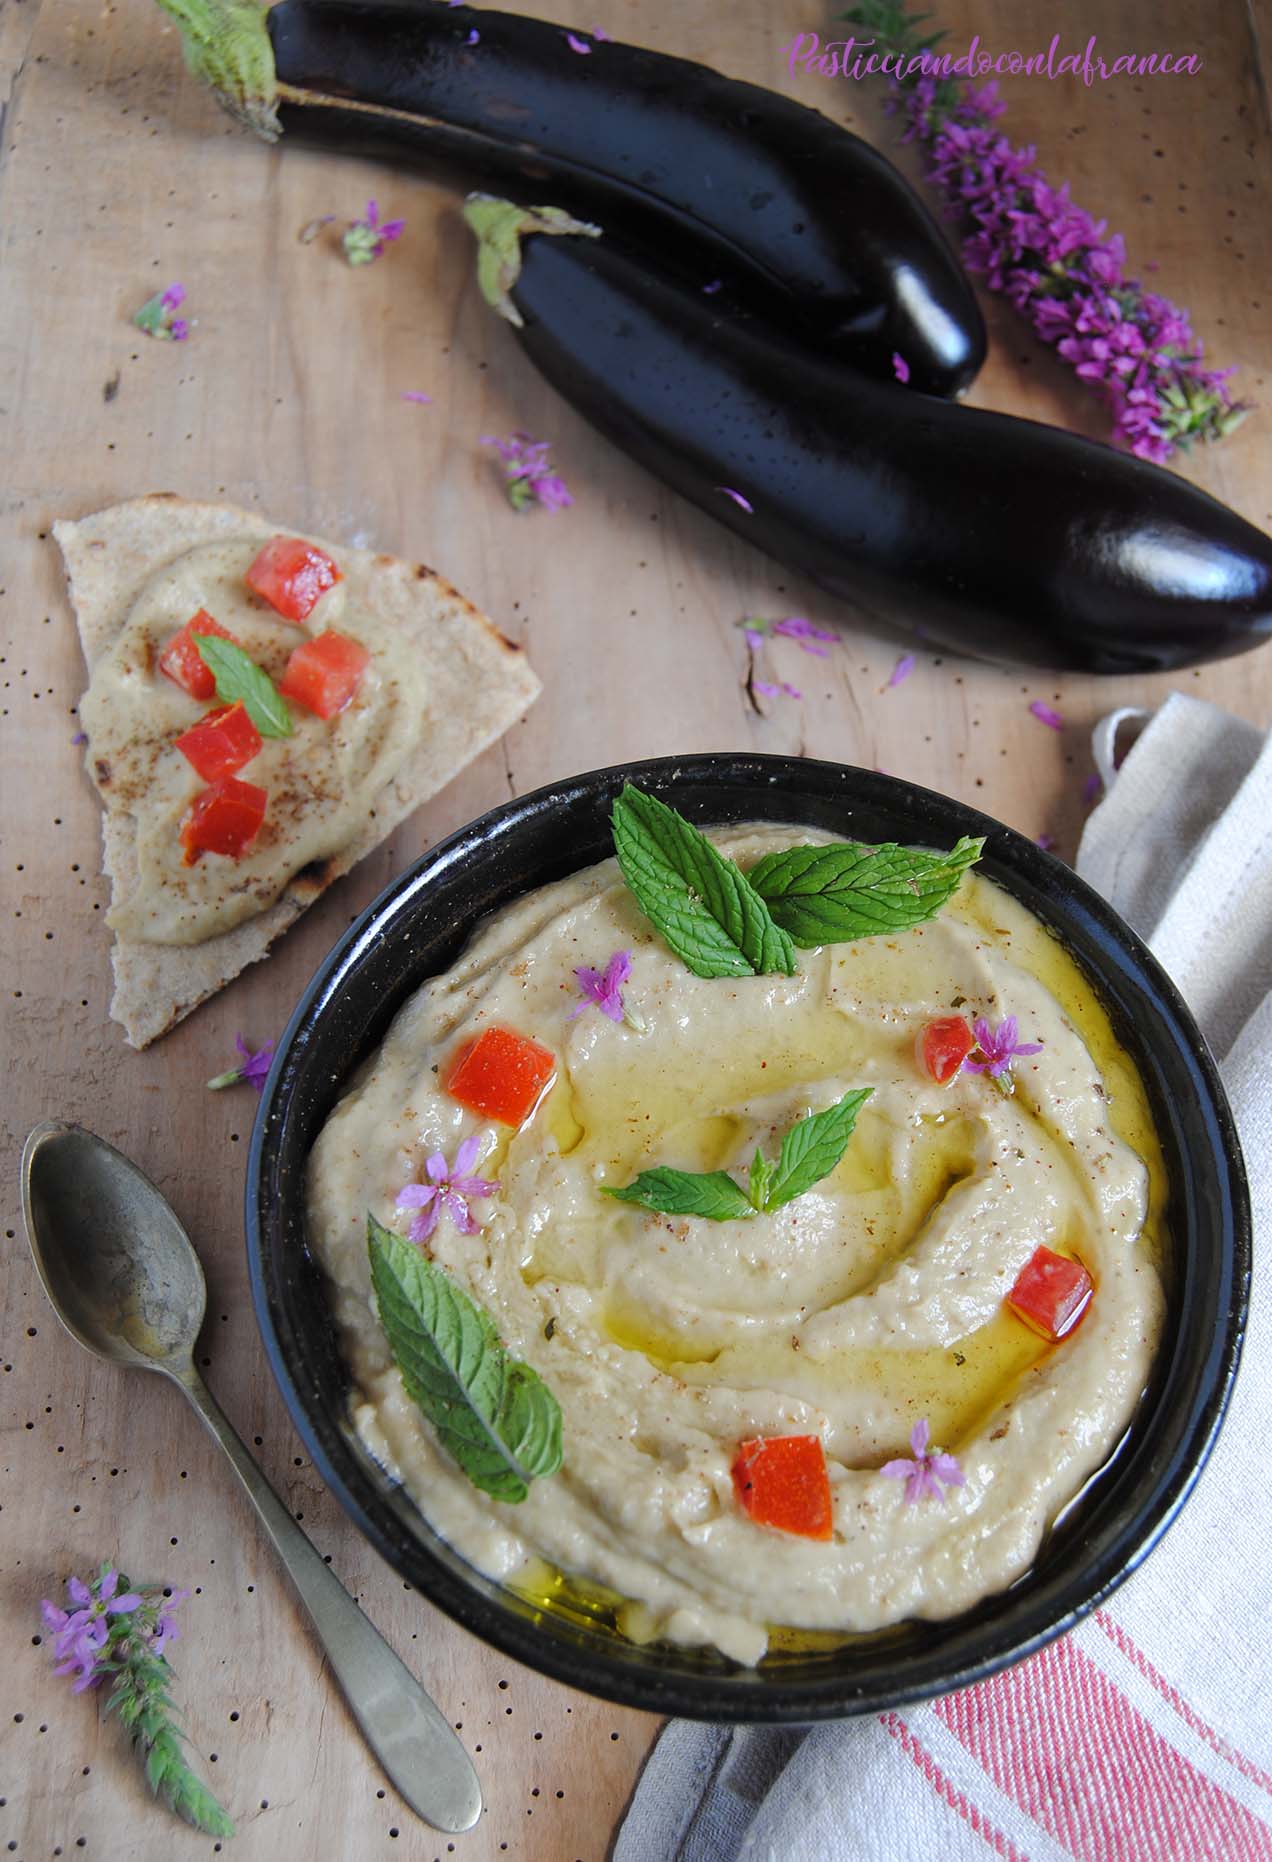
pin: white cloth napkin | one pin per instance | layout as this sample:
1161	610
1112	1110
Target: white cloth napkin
1146	1734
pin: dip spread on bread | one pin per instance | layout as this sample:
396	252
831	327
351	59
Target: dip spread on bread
229	808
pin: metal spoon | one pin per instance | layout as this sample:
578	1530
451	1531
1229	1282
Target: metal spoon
125	1281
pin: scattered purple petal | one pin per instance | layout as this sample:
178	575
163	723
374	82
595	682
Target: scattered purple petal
576	44
795	627
902	670
450	1187
1046	842
474	37
418	396
528	474
156	316
709	290
768	689
80	737
929	1473
743	503
998	1047
601	36
1045	715
900	367
364	240
1092	788
252	1067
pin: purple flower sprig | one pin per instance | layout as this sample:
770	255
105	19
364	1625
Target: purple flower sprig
603	989
158	315
997	1048
930	1472
1059	267
528	474
119	1633
252	1067
449	1187
364	240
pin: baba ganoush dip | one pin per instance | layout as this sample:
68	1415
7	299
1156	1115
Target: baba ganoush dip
873	1302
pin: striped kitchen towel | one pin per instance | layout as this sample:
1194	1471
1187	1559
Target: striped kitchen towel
1145	1735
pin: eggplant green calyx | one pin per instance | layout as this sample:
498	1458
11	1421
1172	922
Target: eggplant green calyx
226	46
499	226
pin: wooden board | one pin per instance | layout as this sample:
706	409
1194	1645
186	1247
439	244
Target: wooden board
116	177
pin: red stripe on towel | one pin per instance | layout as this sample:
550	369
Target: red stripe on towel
1065	1744
894	1724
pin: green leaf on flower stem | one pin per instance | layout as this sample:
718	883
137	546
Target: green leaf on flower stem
493	1414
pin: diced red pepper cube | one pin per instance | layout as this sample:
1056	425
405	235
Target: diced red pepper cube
781	1481
182	662
1051	1293
223	819
502	1075
324	673
943	1046
291	575
220	743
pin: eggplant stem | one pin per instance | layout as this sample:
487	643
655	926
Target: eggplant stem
227	47
499	227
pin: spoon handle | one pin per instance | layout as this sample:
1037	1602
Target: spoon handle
407	1732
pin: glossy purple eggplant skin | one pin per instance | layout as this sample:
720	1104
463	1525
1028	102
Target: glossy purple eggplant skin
804	221
996	536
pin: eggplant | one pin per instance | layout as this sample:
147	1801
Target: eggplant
995	536
809	224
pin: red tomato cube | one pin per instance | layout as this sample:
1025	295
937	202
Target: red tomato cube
1051	1294
502	1075
223	819
781	1481
291	575
220	743
182	662
943	1046
324	673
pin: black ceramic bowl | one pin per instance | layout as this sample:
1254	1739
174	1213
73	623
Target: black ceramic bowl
417	927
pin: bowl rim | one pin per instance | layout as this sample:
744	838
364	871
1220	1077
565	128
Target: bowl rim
723	1696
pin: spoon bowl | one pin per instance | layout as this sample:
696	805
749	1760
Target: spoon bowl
120	1271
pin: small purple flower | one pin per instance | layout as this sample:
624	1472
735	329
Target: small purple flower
157	316
900	367
576	44
743	503
795	627
1045	715
604	988
80	1635
998	1047
929	1473
365	239
252	1067
528	473
447	1186
165	1630
418	396
902	670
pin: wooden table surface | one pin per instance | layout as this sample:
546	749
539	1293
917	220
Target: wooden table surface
117	176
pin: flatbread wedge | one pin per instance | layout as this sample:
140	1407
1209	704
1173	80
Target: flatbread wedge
478	685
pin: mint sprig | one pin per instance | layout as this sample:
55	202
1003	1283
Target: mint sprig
493	1414
810	1151
701	903
838	893
239	677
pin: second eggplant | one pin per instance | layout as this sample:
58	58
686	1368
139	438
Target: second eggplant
992	535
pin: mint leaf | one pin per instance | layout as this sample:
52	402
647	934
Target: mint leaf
238	676
841	892
700	902
494	1415
687	1192
811	1149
